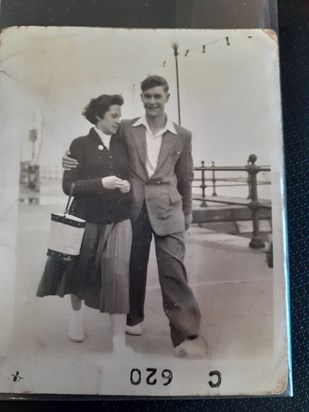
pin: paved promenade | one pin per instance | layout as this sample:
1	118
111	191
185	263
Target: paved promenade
232	283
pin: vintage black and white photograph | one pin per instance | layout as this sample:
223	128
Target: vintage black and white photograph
143	244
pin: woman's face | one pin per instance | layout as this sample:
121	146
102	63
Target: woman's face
111	121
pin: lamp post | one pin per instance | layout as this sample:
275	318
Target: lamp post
33	168
175	47
33	137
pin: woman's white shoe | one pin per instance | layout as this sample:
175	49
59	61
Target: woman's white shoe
120	347
76	330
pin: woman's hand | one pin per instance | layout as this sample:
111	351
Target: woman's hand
68	163
125	187
112	182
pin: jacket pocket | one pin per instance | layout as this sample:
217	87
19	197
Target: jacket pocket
175	197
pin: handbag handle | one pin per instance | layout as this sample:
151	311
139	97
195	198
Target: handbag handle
66	211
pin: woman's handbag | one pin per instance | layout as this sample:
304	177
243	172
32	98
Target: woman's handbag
66	233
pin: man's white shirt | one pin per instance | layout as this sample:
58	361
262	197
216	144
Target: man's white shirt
153	142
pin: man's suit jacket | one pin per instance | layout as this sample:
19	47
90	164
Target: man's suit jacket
168	193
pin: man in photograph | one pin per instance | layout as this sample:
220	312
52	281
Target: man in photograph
161	174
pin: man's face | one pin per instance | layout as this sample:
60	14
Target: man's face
154	100
111	121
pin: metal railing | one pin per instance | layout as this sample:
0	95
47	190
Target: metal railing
252	201
51	171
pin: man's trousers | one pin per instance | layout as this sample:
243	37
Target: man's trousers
179	302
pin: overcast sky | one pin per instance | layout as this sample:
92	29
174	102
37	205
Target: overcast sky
229	93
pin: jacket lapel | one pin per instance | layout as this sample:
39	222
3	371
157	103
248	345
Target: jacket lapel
168	141
94	135
139	137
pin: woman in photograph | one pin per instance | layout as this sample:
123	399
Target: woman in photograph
99	276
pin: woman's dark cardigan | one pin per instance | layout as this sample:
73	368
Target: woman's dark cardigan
91	201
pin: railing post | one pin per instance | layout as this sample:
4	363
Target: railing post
256	241
249	183
213	179
203	185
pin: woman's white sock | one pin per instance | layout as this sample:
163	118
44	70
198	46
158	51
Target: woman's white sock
76	330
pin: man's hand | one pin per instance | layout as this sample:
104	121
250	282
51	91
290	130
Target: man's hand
188	220
125	187
68	163
112	182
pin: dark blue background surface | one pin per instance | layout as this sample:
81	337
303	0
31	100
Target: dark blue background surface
294	58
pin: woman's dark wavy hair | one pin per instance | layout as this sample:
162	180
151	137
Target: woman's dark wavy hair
99	106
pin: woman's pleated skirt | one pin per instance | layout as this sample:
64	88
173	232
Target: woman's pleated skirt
100	274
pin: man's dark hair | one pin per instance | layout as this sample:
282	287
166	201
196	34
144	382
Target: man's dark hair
153	81
99	106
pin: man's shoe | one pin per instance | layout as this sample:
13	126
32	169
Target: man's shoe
192	349
135	330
